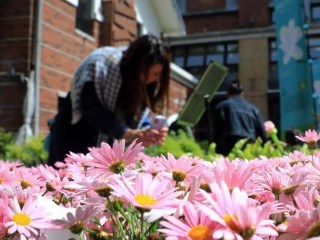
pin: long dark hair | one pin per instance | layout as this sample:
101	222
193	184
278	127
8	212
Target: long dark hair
137	59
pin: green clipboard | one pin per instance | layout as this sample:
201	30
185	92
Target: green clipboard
208	85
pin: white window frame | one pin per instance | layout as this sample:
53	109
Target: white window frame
97	4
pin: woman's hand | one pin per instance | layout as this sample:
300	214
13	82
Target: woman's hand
148	137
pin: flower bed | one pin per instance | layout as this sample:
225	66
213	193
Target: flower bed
116	192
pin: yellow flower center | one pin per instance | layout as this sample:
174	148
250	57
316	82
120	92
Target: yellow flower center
21	219
117	167
145	200
24	184
231	221
205	187
314	230
200	232
77	227
103	191
290	190
0	180
247	233
178	176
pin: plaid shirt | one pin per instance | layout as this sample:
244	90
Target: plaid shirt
101	67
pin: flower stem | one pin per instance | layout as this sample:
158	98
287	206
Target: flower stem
142	225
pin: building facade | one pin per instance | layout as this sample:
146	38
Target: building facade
44	41
241	35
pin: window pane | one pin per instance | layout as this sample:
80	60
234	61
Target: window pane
232	58
195	56
214	57
314	47
232	4
218	48
216	53
83	18
182	6
273	51
315	13
273	82
232	47
232	54
314	42
178	55
314	52
179	61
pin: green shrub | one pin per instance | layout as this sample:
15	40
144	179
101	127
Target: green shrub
6	139
31	152
178	143
269	149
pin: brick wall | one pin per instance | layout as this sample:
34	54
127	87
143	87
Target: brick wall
16	24
211	22
12	90
253	13
177	97
62	51
120	26
203	5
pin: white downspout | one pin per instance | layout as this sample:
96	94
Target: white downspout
38	67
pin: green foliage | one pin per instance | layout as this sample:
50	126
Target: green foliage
30	153
5	139
269	149
178	143
245	150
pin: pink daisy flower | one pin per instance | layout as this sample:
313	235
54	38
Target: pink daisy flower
235	173
310	136
303	225
10	166
76	222
22	194
28	220
3	215
182	168
28	179
296	157
6	179
108	161
239	216
194	225
54	182
151	165
146	192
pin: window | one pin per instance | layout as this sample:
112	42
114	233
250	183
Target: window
315	12
272	18
314	47
273	82
273	85
232	4
84	18
196	58
182	6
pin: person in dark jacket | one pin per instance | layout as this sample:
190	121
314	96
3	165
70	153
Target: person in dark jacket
237	119
110	93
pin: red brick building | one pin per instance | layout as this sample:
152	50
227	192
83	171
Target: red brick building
44	41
